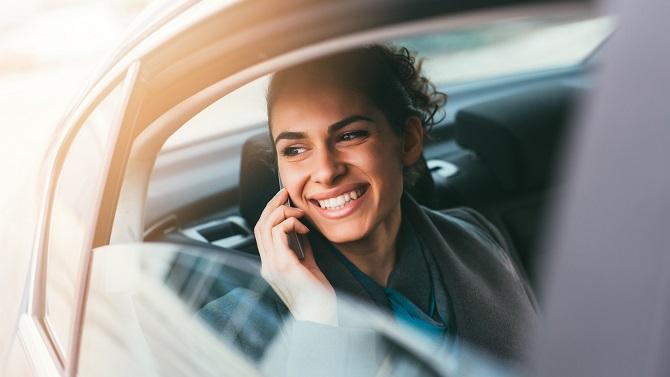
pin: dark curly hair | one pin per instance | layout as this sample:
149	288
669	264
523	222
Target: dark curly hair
390	77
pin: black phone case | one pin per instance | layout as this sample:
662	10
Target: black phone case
294	242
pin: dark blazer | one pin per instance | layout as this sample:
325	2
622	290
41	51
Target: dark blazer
491	304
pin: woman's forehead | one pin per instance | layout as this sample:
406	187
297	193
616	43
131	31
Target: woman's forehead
318	106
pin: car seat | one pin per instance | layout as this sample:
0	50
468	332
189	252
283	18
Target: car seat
508	176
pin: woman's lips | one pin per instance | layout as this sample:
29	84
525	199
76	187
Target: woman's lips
341	210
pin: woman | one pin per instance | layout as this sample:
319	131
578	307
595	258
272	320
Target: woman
348	133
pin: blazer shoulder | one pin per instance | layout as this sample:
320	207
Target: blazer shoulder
478	223
470	221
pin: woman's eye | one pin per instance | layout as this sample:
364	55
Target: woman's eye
351	135
292	151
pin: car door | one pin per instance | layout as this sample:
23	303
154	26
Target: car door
72	218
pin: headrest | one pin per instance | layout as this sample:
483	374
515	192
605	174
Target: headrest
259	182
517	136
258	177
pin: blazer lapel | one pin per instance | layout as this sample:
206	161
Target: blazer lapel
446	263
338	275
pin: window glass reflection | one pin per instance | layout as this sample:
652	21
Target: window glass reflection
75	206
144	317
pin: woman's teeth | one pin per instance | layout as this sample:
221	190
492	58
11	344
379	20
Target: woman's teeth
340	201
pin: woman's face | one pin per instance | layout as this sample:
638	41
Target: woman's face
339	160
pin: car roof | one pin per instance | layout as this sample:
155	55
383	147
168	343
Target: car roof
164	20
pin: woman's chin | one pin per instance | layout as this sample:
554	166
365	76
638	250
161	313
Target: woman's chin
341	234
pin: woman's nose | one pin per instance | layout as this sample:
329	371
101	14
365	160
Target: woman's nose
327	167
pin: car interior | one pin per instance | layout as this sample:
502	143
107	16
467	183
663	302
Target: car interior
497	155
496	150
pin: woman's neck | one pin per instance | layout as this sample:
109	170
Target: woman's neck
375	254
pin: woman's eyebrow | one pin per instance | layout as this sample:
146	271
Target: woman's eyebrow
290	135
294	135
346	121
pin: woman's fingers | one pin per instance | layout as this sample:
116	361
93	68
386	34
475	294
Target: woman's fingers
280	214
280	260
274	212
291	224
281	197
271	220
276	221
261	230
280	236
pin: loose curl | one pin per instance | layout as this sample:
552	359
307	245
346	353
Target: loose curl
426	100
390	77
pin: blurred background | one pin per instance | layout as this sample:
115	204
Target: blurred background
48	49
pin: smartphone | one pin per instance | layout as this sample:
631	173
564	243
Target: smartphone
294	242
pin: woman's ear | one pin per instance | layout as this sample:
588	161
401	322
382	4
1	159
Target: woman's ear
412	141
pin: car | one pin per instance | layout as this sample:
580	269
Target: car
143	207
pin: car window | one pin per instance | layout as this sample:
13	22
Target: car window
75	203
219	131
165	309
239	109
508	47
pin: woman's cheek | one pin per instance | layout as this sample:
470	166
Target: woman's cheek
384	161
292	178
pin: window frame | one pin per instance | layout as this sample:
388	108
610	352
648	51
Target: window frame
121	126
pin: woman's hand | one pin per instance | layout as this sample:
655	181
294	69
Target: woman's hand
300	284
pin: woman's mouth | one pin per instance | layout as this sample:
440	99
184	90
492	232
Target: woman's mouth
341	200
341	205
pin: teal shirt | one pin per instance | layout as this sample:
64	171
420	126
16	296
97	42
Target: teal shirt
410	294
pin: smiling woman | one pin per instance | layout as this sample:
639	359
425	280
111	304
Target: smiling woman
348	133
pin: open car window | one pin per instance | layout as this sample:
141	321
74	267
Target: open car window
199	165
198	188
